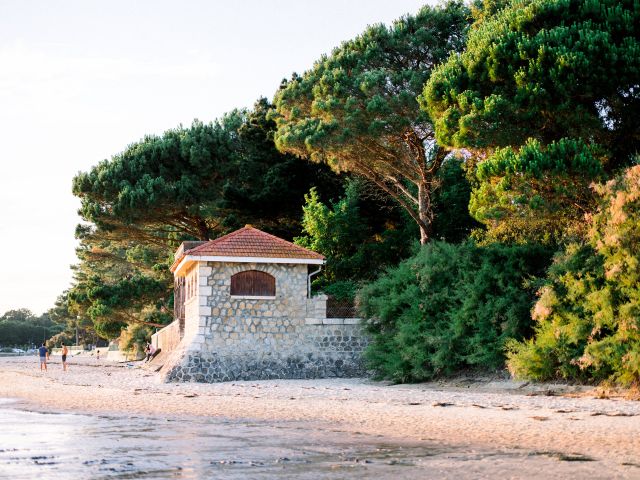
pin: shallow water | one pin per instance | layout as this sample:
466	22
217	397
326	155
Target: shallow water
61	445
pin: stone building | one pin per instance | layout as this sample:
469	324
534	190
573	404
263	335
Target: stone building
244	312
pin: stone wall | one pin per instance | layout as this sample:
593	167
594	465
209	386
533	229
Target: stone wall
248	338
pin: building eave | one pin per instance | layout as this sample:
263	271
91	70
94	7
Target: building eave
188	259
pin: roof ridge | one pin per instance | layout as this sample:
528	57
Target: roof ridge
283	240
217	240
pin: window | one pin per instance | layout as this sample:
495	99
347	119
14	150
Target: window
253	283
191	286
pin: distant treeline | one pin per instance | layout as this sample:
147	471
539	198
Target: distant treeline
21	328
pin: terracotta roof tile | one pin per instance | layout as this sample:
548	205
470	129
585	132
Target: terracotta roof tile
251	242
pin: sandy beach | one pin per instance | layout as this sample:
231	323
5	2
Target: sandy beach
557	429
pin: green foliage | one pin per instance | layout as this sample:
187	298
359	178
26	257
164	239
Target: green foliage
536	193
450	307
561	336
134	339
361	236
264	187
199	181
169	183
342	290
353	237
21	328
554	82
545	69
356	109
452	221
588	314
482	10
66	318
112	306
119	282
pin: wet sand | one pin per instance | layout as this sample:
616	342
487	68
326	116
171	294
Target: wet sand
462	430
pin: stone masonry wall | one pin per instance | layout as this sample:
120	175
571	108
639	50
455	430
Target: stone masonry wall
243	338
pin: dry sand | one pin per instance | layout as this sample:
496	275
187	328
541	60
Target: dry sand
556	420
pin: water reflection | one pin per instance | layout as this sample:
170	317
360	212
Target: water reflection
52	446
57	446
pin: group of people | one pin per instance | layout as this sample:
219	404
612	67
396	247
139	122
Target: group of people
43	352
150	352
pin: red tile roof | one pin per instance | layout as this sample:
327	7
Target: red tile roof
249	242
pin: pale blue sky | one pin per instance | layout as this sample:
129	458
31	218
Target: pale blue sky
80	80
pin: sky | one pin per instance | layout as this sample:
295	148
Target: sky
81	80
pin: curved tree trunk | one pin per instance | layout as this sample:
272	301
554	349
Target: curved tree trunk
425	213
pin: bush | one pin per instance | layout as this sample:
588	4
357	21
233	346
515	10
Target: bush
450	307
134	338
342	290
588	313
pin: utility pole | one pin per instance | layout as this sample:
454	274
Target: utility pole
77	320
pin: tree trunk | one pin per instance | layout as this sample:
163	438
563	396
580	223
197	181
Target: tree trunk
203	229
425	213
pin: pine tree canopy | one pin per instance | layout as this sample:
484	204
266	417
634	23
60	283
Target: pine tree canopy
545	69
356	109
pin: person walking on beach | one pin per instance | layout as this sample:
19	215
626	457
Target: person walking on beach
44	354
65	351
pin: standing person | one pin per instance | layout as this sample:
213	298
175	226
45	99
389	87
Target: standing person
44	353
65	351
97	354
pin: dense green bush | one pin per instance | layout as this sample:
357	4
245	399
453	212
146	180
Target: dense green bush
589	312
450	307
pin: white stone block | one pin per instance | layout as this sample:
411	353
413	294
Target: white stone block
197	340
205	311
203	300
352	321
333	321
204	281
313	321
205	290
205	271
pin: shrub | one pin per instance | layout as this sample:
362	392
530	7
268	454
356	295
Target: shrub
342	290
134	338
450	307
588	313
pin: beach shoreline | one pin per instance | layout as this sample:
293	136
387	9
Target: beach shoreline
555	420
